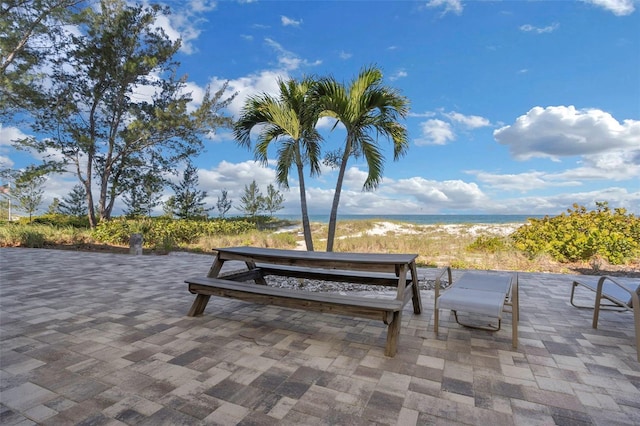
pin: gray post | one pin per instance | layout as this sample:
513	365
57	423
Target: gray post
135	244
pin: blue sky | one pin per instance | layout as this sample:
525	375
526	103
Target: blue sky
517	107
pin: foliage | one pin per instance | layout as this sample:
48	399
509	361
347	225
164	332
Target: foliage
252	201
75	203
290	121
114	105
224	203
187	203
160	232
366	108
31	33
58	220
54	206
29	190
487	243
580	235
273	200
143	197
36	235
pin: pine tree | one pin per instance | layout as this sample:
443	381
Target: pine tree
273	201
188	200
252	201
74	204
224	203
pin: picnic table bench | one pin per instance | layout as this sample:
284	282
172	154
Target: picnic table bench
365	268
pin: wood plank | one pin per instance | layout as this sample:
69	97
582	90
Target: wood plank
201	285
339	275
377	262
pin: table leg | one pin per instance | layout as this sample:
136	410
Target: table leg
258	280
198	305
417	299
214	271
393	334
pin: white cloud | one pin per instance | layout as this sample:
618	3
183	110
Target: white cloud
558	131
261	82
559	203
617	7
8	134
344	55
6	162
454	6
448	194
289	22
203	5
435	132
523	182
184	22
401	73
289	60
540	30
469	121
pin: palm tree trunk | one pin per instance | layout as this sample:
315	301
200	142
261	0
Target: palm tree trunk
333	217
306	227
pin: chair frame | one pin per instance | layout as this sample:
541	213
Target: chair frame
605	301
511	305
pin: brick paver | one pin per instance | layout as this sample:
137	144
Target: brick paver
94	338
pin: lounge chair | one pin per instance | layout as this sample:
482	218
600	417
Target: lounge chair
481	293
613	294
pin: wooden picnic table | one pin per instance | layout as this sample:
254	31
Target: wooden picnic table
393	270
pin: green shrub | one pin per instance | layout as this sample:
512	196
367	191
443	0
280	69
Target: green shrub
488	244
59	221
580	235
164	232
17	235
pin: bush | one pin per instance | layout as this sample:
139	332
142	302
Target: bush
488	244
59	221
612	235
165	233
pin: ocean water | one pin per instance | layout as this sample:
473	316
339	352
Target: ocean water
424	219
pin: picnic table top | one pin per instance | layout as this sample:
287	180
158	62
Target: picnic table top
272	254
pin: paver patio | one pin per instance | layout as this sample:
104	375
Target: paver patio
95	338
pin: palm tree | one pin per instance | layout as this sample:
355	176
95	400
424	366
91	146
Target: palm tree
366	106
290	120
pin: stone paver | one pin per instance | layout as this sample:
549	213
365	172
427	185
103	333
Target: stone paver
94	338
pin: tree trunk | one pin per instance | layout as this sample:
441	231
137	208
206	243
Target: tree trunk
331	235
306	227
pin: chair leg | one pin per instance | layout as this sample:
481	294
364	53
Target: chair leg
635	301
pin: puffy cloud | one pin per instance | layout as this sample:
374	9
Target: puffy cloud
442	195
435	132
454	6
8	134
261	82
617	7
540	30
558	131
184	22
